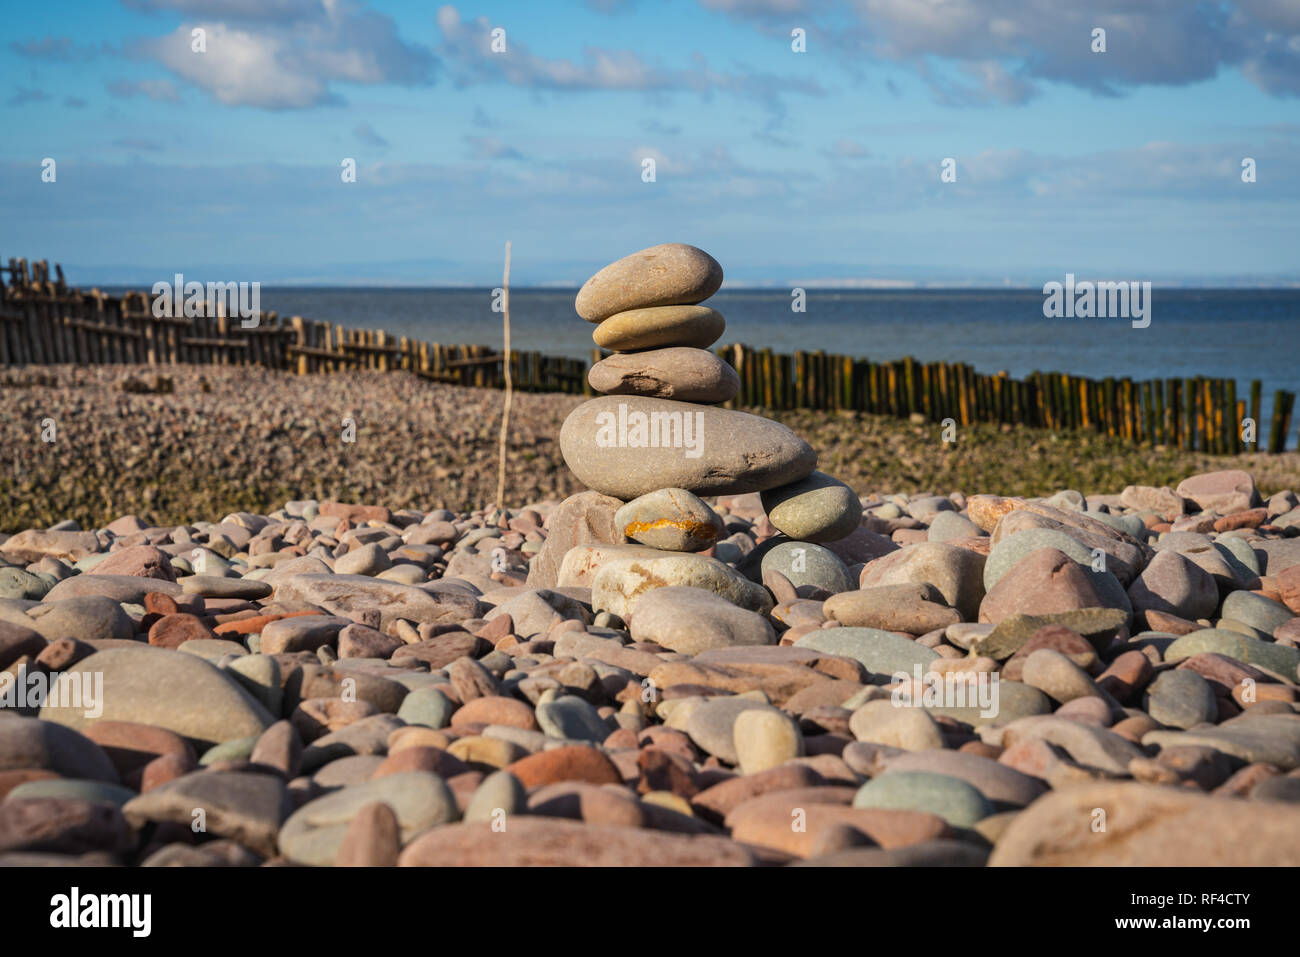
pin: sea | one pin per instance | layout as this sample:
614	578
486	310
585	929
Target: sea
1244	334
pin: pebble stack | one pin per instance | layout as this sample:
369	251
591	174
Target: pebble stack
657	441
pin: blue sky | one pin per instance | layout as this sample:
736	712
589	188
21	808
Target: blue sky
788	167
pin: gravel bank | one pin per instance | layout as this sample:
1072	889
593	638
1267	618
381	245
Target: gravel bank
232	439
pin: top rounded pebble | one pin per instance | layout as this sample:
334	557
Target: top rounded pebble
670	274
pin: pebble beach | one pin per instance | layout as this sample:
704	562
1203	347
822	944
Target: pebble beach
692	636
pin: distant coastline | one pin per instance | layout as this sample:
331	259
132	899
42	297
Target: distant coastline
822	285
1242	334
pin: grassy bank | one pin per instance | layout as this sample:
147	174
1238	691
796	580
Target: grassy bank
181	444
890	455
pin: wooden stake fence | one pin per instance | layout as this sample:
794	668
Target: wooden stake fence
44	321
1201	414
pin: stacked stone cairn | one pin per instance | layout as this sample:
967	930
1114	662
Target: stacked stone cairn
657	441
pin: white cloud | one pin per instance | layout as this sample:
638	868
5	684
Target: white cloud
467	49
241	68
998	51
294	64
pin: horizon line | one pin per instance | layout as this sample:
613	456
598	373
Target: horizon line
819	285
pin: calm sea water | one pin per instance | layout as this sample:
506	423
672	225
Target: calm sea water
1244	334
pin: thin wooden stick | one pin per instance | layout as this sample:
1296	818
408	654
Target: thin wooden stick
505	364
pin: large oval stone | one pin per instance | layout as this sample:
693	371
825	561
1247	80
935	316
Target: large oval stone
89	618
954	800
672	519
685	326
629	446
182	693
691	620
620	582
806	564
668	274
817	508
681	373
